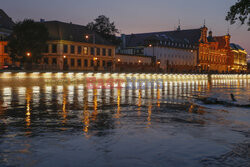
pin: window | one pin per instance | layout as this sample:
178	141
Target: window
85	50
72	49
65	48
92	63
47	49
104	52
72	62
46	60
5	49
79	62
54	61
103	63
110	52
92	51
86	63
54	48
79	50
98	51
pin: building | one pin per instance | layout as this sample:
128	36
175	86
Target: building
173	51
214	53
181	50
238	58
6	25
74	47
5	60
134	63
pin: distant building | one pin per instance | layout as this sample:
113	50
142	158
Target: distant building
181	50
69	49
174	51
134	63
72	47
214	52
6	25
239	58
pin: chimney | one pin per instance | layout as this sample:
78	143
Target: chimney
179	26
210	34
123	36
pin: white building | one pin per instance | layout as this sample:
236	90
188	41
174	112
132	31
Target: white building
168	57
173	51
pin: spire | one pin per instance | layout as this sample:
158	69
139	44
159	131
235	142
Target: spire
179	25
228	30
204	24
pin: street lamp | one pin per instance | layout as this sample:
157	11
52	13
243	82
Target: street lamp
95	58
28	54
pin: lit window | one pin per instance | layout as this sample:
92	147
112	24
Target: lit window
85	50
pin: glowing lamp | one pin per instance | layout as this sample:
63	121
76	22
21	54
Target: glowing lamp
28	54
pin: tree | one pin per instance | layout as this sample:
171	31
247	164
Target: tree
239	11
105	28
28	41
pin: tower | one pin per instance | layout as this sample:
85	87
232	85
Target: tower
179	26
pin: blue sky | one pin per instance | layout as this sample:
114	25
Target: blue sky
134	16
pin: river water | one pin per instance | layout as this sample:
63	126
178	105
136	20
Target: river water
56	120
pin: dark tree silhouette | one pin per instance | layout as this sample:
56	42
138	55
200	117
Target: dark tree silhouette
105	28
28	37
239	12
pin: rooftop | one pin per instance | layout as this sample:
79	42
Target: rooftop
5	21
72	32
190	36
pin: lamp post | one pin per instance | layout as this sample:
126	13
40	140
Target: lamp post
94	42
28	55
152	46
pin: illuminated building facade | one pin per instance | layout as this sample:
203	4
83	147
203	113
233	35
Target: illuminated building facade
134	63
182	50
71	47
5	60
214	52
238	58
74	47
6	25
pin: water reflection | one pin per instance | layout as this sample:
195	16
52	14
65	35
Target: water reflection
42	104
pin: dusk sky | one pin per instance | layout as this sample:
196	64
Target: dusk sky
134	16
